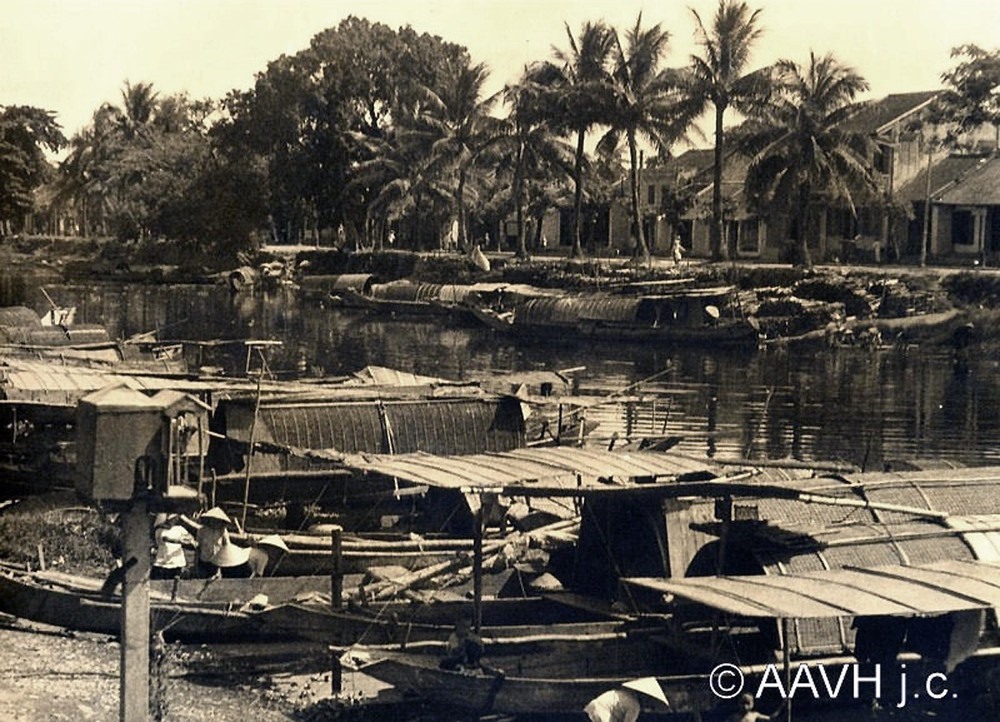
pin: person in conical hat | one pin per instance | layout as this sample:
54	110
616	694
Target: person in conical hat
232	561
267	549
211	537
215	516
623	704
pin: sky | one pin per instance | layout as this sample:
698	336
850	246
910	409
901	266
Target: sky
70	56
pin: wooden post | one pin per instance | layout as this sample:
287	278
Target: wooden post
337	573
134	673
788	668
336	673
477	568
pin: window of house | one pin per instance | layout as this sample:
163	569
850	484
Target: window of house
882	162
733	233
651	195
748	240
962	229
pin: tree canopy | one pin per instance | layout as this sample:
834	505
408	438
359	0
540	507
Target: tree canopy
800	147
25	134
370	130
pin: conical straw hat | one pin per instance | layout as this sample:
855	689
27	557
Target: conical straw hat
273	540
216	514
231	555
648	686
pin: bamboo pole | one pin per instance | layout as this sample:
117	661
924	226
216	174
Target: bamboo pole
253	430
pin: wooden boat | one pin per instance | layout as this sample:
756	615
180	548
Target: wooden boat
406	623
683	316
209	610
50	602
559	675
542	674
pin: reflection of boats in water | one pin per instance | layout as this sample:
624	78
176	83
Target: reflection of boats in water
682	316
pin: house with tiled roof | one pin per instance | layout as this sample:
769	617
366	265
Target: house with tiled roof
964	217
900	154
887	226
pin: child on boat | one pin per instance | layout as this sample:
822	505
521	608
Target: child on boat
464	648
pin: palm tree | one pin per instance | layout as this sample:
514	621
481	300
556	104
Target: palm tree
536	150
139	106
457	117
645	106
718	78
800	147
581	78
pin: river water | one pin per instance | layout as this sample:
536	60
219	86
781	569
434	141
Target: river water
868	408
851	405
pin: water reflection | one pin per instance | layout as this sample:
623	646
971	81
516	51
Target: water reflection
851	405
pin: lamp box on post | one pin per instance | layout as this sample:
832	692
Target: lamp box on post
133	454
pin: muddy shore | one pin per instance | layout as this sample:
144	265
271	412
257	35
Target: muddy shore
47	673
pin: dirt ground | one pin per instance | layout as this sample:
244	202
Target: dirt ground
49	674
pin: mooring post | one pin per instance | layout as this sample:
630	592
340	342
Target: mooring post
134	673
336	673
477	568
337	570
785	647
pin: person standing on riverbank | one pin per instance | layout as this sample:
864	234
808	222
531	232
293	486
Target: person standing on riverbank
677	251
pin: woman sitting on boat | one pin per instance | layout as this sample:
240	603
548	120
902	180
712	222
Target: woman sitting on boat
268	551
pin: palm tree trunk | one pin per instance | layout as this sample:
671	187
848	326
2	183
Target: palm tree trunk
720	249
463	238
640	251
804	256
522	250
578	194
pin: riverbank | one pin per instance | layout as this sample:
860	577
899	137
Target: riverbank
47	673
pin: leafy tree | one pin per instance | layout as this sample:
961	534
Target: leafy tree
972	95
25	134
645	103
309	114
581	78
800	147
719	78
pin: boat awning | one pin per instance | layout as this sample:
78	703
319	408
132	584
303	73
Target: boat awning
552	471
894	590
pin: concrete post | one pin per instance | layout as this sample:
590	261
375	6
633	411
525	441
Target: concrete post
134	672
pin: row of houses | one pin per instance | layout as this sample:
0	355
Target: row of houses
911	170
